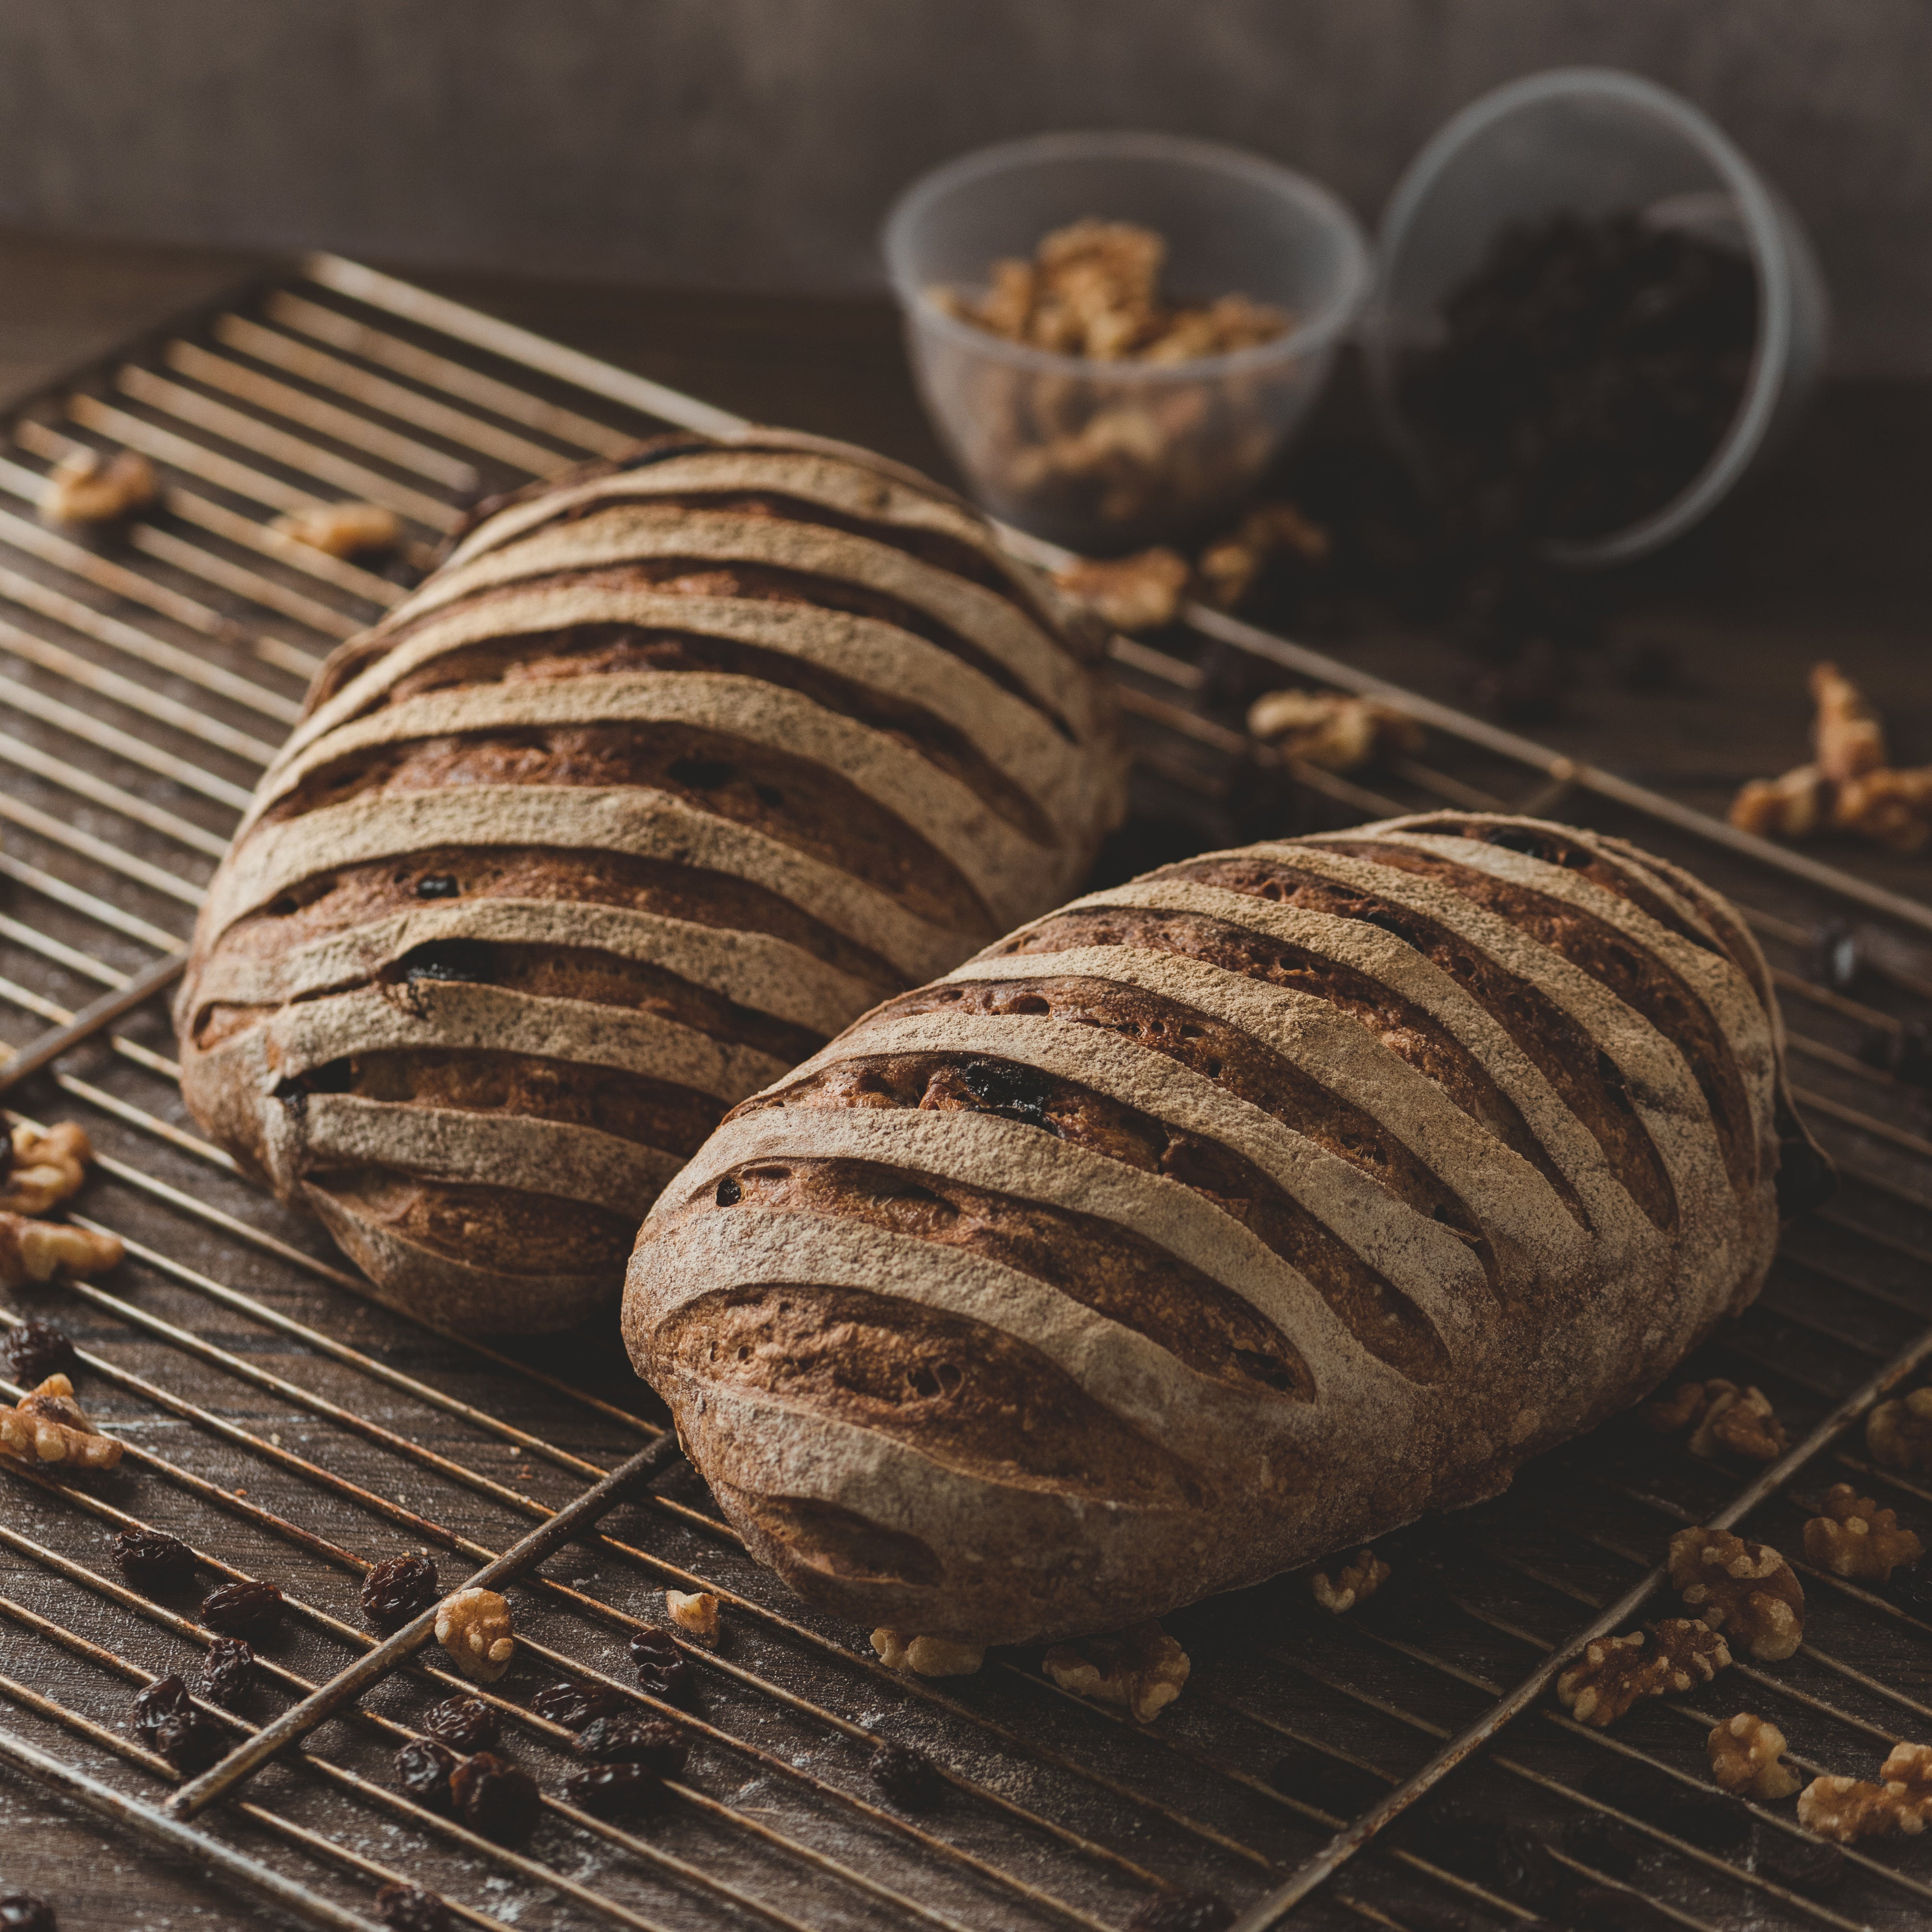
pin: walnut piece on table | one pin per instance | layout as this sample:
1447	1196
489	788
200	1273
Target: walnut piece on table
1663	1659
87	487
474	1626
1747	1756
1142	1667
1230	566
1723	1419
1355	1582
47	1167
342	529
927	1656
1847	1808
695	1611
1744	1588
49	1426
1855	1538
38	1250
1330	730
1141	593
1899	1432
1907	1773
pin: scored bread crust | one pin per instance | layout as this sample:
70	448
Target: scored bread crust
1218	1220
674	767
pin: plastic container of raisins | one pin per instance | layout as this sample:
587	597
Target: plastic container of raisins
1593	142
1105	456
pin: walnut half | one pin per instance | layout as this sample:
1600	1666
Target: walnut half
1662	1660
1355	1582
474	1627
49	1426
1907	1773
47	1167
1745	1589
1142	1668
1846	1808
1899	1432
1748	1756
1855	1537
1723	1419
927	1656
38	1250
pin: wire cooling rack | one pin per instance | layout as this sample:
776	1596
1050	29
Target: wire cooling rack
1357	1771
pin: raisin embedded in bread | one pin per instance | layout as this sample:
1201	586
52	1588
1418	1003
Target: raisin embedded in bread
1219	1221
672	770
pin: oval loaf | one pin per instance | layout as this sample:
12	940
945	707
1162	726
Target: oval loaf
1216	1221
673	769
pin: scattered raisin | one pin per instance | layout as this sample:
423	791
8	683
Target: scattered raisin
397	1589
904	1776
661	1668
1015	1093
574	1705
153	1562
1526	1869
1808	1865
493	1796
1182	1912
242	1610
161	1699
423	1769
408	1908
26	1911
465	1724
190	1740
664	1747
35	1350
227	1672
615	1790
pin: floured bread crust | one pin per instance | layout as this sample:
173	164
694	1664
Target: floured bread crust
1218	1221
674	768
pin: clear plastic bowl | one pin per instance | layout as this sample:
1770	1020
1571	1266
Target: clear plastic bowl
1105	456
1594	141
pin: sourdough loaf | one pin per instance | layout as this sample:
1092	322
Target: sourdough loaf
1217	1221
669	772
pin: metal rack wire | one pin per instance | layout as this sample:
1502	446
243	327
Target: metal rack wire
285	1427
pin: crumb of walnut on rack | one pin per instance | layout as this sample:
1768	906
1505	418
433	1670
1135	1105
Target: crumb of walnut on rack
1722	1419
1744	1588
1899	1432
927	1656
1331	730
344	530
694	1612
1748	1756
1661	1660
1142	1667
49	1427
1142	592
474	1627
1854	1538
87	487
33	1250
1355	1582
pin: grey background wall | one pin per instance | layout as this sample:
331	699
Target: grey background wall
753	143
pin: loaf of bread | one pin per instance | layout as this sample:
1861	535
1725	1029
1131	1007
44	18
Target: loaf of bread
669	772
1219	1221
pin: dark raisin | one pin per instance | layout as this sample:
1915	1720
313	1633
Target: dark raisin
162	1698
1607	1845
35	1350
1808	1865
408	1908
153	1562
1709	1818
1181	1912
465	1724
661	1668
473	960
729	1192
225	1672
397	1589
905	1777
662	1747
1458	1831
437	886
1015	1093
1526	1869
26	1911
190	1740
493	1796
242	1610
423	1769
623	1790
573	1704
702	774
1837	956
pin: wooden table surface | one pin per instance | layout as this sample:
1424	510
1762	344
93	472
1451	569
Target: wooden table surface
1828	555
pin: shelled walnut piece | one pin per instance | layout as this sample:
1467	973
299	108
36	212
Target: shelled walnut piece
1355	1582
342	529
50	1426
87	487
1330	729
695	1611
1744	1588
1141	593
1849	785
1855	1537
1899	1432
1142	1668
47	1168
927	1656
38	1250
474	1626
1231	565
1748	1756
1907	1773
1846	1808
1663	1659
1723	1419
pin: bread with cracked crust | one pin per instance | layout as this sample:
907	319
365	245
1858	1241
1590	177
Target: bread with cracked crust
1219	1221
674	768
